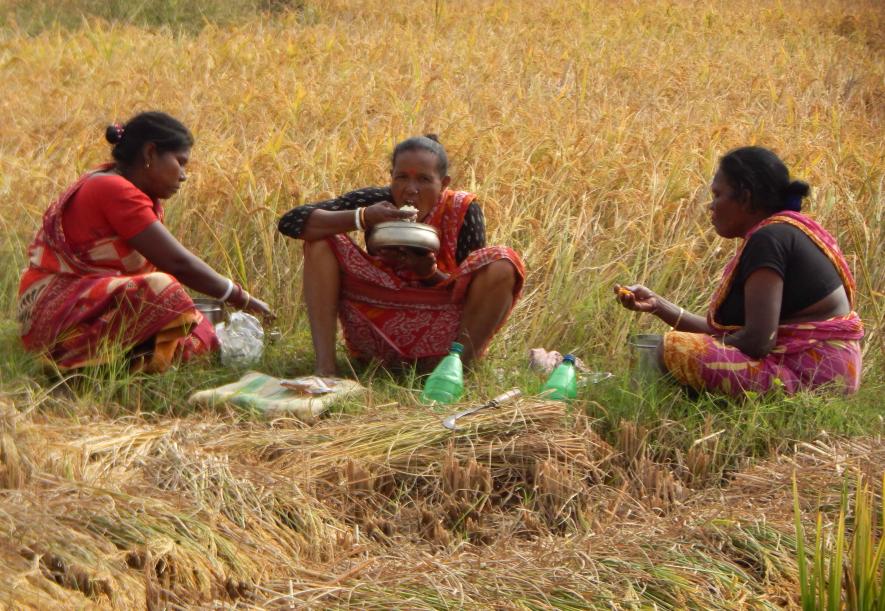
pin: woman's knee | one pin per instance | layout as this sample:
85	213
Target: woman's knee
318	251
159	281
499	274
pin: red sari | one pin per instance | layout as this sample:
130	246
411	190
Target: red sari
80	304
806	355
395	319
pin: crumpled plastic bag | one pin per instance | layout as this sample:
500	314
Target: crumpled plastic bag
545	362
241	339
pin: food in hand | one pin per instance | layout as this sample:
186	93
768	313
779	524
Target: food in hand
624	291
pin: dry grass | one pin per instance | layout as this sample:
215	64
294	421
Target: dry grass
395	512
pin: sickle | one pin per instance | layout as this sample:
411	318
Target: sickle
449	422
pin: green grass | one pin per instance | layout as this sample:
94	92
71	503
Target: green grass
670	421
855	558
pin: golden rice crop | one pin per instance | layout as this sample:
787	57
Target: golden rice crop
590	131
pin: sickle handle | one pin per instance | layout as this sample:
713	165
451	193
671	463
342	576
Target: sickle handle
511	394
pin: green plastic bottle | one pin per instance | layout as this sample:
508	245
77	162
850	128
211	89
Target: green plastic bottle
446	383
562	385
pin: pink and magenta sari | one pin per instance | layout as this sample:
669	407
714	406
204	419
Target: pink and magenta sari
82	307
395	319
806	355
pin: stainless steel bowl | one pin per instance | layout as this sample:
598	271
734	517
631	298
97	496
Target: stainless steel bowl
403	233
212	309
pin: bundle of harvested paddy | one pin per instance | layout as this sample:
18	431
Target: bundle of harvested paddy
731	548
381	474
58	548
363	511
134	506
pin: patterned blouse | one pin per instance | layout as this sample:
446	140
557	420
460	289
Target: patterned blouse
471	236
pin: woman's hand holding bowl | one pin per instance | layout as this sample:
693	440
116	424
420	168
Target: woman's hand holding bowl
383	212
420	262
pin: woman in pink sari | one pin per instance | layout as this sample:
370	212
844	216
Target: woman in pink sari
783	313
104	274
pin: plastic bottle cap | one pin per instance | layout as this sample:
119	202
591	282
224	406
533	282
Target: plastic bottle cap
569	358
456	347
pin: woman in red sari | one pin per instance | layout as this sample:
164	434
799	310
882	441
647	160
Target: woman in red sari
104	274
783	313
398	305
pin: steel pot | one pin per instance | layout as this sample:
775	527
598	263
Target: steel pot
644	356
212	309
403	233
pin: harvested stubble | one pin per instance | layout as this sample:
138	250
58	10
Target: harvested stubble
397	512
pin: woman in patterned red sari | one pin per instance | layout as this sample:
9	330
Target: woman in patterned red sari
399	305
783	313
104	275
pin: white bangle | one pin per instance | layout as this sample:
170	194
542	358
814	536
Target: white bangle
356	219
230	289
678	320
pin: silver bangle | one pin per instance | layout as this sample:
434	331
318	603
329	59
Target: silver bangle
356	219
675	326
230	289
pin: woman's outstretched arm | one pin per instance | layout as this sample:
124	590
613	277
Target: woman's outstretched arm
159	246
642	299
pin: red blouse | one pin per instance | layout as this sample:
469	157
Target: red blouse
107	205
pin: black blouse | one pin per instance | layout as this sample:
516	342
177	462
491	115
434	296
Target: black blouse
471	236
808	274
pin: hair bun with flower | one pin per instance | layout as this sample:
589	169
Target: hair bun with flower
114	133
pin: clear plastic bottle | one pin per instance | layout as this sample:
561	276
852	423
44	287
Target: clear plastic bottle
562	385
446	383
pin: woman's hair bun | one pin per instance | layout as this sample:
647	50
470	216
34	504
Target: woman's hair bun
114	133
164	131
433	137
798	188
793	195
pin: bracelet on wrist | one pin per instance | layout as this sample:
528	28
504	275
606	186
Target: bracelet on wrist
357	218
363	219
228	290
675	326
235	291
237	297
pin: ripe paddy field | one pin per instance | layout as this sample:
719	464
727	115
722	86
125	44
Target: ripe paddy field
590	131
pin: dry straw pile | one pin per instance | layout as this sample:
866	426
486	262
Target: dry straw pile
390	511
